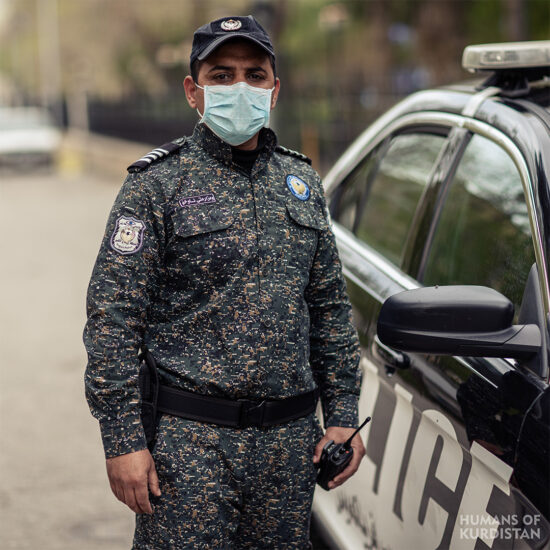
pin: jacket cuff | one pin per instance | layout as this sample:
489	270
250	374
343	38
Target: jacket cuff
342	411
122	436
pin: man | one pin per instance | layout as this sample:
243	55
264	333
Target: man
219	259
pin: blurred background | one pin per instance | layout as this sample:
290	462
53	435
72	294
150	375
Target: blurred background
115	67
86	88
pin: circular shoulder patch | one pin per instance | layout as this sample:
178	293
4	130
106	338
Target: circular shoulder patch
231	25
298	187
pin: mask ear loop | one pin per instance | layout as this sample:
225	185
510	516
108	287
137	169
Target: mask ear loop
268	121
197	109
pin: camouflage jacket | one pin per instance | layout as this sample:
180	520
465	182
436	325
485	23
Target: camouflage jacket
232	280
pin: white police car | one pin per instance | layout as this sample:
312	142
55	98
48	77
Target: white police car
28	137
451	187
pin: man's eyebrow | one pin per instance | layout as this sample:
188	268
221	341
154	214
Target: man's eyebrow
228	68
221	68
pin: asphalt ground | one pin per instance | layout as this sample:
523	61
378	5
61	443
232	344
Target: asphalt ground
54	492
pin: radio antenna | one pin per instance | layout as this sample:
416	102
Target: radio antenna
347	444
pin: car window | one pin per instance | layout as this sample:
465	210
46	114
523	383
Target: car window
483	234
348	196
393	193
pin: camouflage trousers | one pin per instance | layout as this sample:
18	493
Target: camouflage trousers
228	488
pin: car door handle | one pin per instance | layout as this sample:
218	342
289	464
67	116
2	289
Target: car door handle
391	357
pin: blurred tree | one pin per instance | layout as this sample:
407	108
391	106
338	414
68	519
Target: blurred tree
441	38
113	44
341	62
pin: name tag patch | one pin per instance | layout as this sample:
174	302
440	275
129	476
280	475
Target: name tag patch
127	237
196	200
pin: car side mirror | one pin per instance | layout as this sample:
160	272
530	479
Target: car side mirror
456	320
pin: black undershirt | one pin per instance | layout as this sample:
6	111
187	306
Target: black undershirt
245	159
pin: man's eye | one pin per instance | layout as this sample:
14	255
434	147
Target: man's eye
222	77
256	76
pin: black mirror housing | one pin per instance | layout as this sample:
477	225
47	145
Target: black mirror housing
455	320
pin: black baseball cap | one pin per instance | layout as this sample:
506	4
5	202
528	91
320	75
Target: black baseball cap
212	35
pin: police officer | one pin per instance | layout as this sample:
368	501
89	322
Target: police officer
219	259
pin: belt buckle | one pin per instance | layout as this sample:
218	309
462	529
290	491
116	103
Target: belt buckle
251	413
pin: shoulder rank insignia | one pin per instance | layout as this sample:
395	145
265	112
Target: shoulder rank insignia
291	153
156	154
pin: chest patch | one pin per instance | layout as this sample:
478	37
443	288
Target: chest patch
298	187
196	200
127	237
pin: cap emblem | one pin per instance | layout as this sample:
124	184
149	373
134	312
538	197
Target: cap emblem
231	25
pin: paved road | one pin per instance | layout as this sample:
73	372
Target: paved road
54	493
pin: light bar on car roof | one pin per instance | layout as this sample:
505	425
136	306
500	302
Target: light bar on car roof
511	55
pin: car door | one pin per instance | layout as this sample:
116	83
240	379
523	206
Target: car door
440	449
374	211
484	232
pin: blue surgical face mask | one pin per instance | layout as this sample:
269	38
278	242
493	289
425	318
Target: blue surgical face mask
236	113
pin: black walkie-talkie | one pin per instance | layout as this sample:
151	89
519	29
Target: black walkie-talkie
335	458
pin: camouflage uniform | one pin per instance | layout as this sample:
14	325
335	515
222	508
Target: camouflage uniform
233	282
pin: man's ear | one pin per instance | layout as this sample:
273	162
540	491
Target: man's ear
190	91
275	93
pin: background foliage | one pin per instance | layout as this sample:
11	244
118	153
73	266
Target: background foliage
116	66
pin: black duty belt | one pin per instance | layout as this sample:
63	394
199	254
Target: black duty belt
237	413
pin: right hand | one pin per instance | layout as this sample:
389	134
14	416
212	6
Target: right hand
130	476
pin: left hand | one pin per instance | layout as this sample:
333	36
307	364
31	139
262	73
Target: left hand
339	435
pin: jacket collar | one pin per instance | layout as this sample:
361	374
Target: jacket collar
221	151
